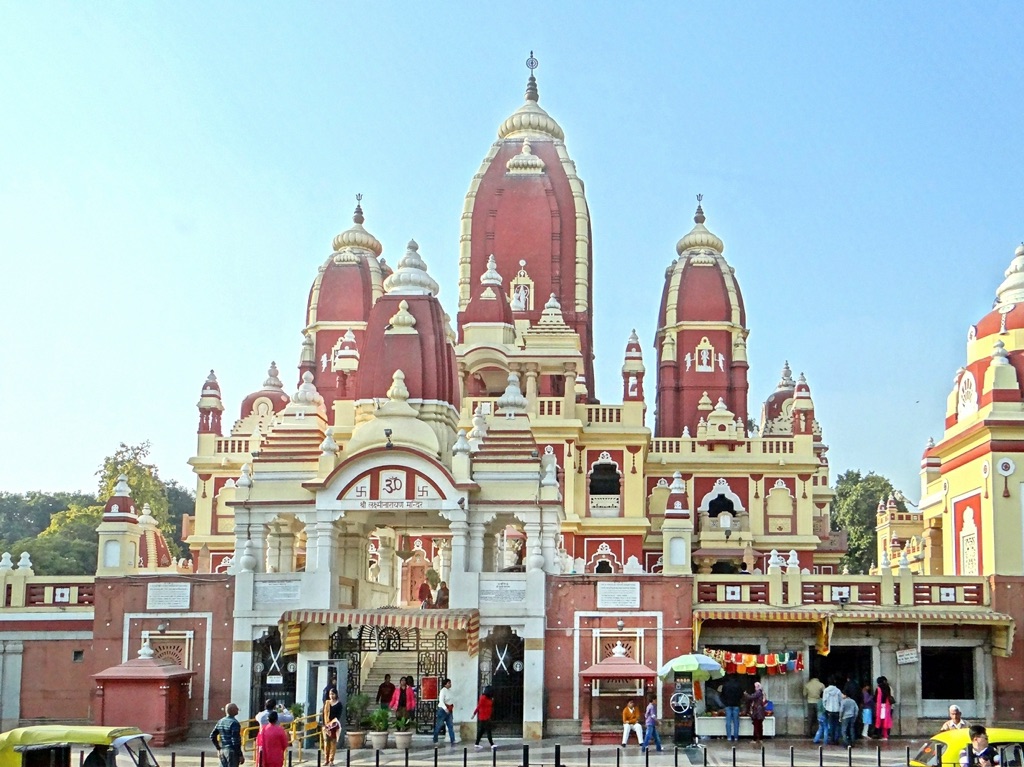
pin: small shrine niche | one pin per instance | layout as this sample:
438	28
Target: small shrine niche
704	356
520	290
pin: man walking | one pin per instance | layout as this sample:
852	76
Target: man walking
651	722
385	692
445	709
227	738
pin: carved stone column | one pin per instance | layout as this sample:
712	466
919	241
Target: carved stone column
458	559
532	370
475	562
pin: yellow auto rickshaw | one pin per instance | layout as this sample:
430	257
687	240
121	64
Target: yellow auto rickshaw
55	745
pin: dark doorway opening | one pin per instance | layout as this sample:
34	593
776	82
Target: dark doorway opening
947	673
842	661
720	504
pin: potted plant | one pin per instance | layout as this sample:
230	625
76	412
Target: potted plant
433	577
403	732
379	721
358	703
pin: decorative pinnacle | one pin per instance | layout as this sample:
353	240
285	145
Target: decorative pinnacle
358	217
531	84
698	217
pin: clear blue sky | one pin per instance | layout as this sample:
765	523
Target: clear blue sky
172	174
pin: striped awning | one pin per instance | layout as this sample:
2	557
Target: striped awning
1002	624
435	620
821	620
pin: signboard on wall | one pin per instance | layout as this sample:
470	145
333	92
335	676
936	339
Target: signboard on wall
618	596
168	596
502	592
903	657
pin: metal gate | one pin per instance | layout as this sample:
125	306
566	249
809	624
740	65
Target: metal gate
431	659
501	667
273	673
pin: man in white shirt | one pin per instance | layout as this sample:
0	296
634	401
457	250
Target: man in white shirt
284	717
445	707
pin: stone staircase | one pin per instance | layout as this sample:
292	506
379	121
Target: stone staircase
398	664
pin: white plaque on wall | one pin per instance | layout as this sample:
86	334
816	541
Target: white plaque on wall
168	596
502	592
275	591
618	596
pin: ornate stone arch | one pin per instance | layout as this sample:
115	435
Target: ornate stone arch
721	487
604	553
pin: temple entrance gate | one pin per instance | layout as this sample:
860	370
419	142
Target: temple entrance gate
273	673
354	644
501	667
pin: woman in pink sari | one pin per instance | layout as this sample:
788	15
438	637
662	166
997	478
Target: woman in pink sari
883	708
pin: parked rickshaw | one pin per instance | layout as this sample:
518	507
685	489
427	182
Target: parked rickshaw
54	745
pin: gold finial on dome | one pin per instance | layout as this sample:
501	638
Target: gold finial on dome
531	85
356	236
700	236
530	119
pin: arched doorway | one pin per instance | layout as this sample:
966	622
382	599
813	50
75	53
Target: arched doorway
501	668
273	673
428	649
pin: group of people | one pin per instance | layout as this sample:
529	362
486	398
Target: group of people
429	600
841	716
734	696
402	701
272	741
631	723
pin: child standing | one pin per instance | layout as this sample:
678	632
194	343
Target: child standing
820	735
484	709
848	720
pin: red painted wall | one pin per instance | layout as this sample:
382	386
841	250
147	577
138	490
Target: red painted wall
567	595
214	594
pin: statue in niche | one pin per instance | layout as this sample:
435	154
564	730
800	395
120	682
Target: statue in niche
323	362
520	298
721	362
689	360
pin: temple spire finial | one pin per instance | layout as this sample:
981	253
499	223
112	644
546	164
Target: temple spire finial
531	84
357	217
698	217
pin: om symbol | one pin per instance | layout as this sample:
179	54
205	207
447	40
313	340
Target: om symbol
392	485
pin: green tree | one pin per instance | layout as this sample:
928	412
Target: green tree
25	515
146	486
854	510
68	546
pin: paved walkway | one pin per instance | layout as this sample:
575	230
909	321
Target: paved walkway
777	752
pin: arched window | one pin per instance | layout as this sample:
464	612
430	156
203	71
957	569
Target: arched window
604	480
719	504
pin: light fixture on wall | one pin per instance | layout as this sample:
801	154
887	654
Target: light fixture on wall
387	434
162	628
405	554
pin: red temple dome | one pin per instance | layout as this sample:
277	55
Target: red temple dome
272	393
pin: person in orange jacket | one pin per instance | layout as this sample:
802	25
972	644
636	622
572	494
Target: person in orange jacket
631	722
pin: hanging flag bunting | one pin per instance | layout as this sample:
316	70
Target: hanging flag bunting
749	663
